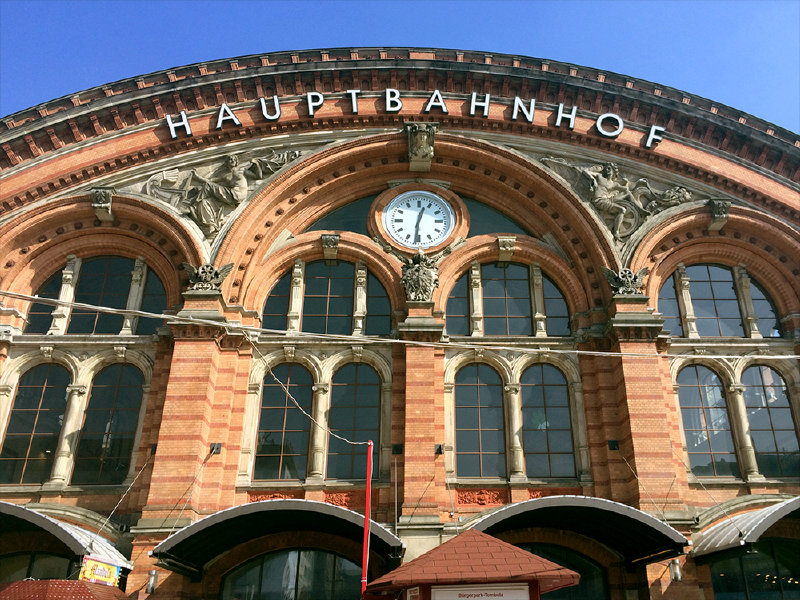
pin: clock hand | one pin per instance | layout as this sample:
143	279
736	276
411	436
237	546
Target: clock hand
416	225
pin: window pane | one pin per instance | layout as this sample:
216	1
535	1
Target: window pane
379	310
506	300
40	315
480	443
714	301
112	414
102	281
154	300
328	298
458	308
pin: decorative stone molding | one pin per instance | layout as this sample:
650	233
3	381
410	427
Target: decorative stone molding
506	244
420	145
625	282
420	277
346	499
482	497
259	496
101	203
119	351
47	352
289	353
330	246
720	211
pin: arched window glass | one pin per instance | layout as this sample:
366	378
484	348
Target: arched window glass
771	424
104	449
355	416
593	578
669	309
506	299
546	427
705	422
767	571
103	281
300	574
480	438
768	324
40	316
328	298
277	305
458	307
31	437
716	307
379	311
555	307
282	448
154	300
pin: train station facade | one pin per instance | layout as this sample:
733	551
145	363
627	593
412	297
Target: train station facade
563	303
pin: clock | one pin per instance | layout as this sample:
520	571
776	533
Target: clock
418	219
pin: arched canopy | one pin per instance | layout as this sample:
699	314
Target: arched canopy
194	546
77	540
743	529
637	536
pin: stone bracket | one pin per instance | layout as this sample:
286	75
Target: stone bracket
101	203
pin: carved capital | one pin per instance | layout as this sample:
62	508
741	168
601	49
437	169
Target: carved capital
320	388
506	244
288	353
120	352
78	390
358	352
5	391
720	211
47	352
511	388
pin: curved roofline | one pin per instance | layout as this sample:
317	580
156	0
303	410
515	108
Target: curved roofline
581	502
770	516
311	506
80	541
470	59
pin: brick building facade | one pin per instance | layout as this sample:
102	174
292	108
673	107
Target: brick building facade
587	346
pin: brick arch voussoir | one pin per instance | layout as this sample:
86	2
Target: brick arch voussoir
764	247
256	283
484	249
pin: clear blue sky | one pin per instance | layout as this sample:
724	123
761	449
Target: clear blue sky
744	54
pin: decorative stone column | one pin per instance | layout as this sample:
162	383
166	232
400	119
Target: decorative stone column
360	299
579	431
741	432
749	319
69	278
316	463
475	300
537	296
68	438
249	435
516	454
686	308
135	295
295	297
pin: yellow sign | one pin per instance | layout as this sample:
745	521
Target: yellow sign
95	571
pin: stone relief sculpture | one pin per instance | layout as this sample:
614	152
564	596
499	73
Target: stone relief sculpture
623	204
625	282
206	277
208	199
420	277
420	145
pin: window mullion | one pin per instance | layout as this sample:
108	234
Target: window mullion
749	319
319	435
685	305
69	279
295	297
741	430
359	298
135	295
68	437
537	301
475	300
513	411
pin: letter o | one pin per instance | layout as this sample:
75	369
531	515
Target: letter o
604	132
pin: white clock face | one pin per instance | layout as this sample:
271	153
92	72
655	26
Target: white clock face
418	219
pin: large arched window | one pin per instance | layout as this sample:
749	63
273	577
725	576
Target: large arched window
337	298
103	453
516	300
282	448
354	415
480	437
31	437
717	301
37	565
705	422
767	571
772	427
299	574
546	426
110	281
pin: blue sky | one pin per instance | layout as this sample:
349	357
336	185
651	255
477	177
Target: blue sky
744	54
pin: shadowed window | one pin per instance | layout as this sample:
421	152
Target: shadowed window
31	437
546	427
277	305
772	427
103	454
328	298
480	434
458	307
506	300
669	308
705	423
299	574
282	448
354	415
40	316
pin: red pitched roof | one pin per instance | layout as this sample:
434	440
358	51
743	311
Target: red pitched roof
58	589
472	558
